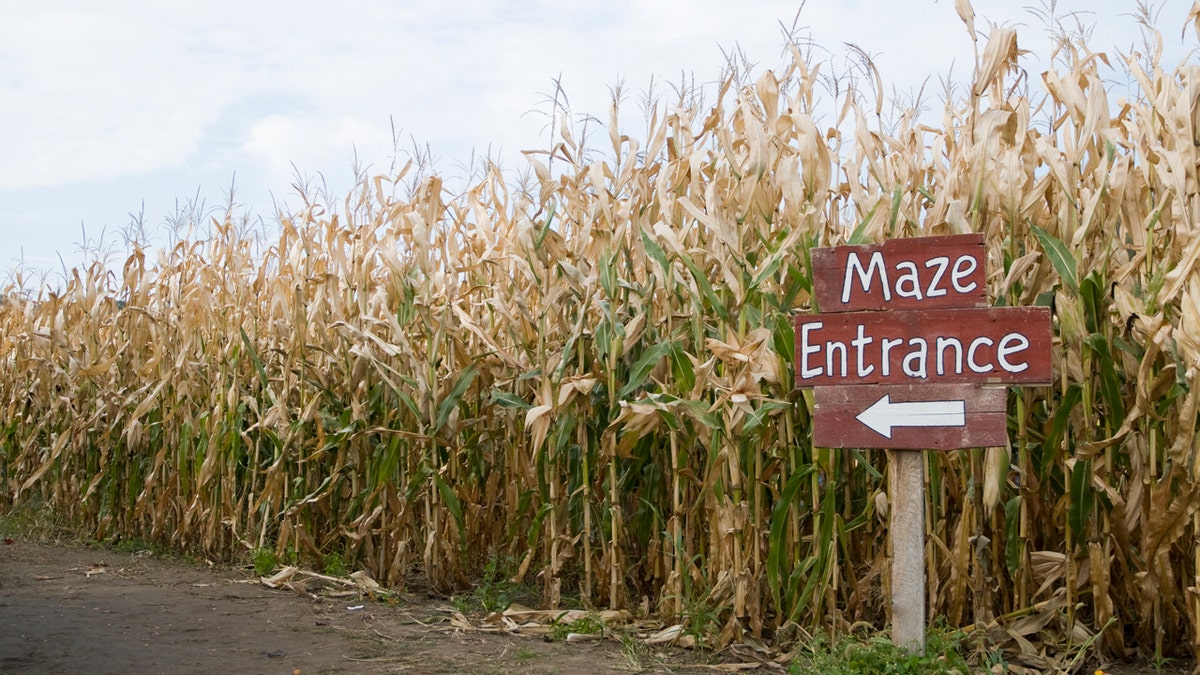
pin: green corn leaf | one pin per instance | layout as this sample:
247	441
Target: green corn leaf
706	288
1082	499
416	483
408	402
823	558
803	572
531	375
784	337
1014	544
541	237
1091	292
1110	386
506	399
258	364
866	465
699	411
799	278
1060	256
644	366
465	378
608	274
536	526
859	235
897	200
761	414
1058	427
655	251
681	367
454	506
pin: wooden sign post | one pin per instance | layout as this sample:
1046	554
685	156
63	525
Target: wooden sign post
906	355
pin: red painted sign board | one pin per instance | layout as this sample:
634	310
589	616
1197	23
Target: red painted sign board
925	273
1010	345
897	358
925	416
904	344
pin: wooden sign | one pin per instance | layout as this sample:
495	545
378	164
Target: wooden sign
934	416
1002	345
927	272
898	358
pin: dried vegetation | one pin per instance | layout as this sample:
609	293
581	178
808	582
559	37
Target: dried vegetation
592	376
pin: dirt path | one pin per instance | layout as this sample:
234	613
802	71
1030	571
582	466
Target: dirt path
74	609
70	608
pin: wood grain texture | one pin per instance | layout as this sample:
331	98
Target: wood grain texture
906	487
835	422
829	274
848	348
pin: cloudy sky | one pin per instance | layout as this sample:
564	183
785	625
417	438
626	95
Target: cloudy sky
108	109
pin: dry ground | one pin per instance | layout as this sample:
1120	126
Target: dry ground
73	608
69	608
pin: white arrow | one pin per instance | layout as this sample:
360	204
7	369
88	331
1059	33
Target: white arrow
883	415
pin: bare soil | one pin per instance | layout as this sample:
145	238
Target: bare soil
74	608
70	608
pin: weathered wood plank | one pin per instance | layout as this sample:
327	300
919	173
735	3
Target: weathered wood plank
925	272
842	417
1001	345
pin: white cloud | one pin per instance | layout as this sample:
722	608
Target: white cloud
312	143
99	92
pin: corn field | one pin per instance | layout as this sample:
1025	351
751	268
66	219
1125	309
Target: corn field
591	376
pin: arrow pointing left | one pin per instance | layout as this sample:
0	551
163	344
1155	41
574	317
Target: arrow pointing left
883	415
